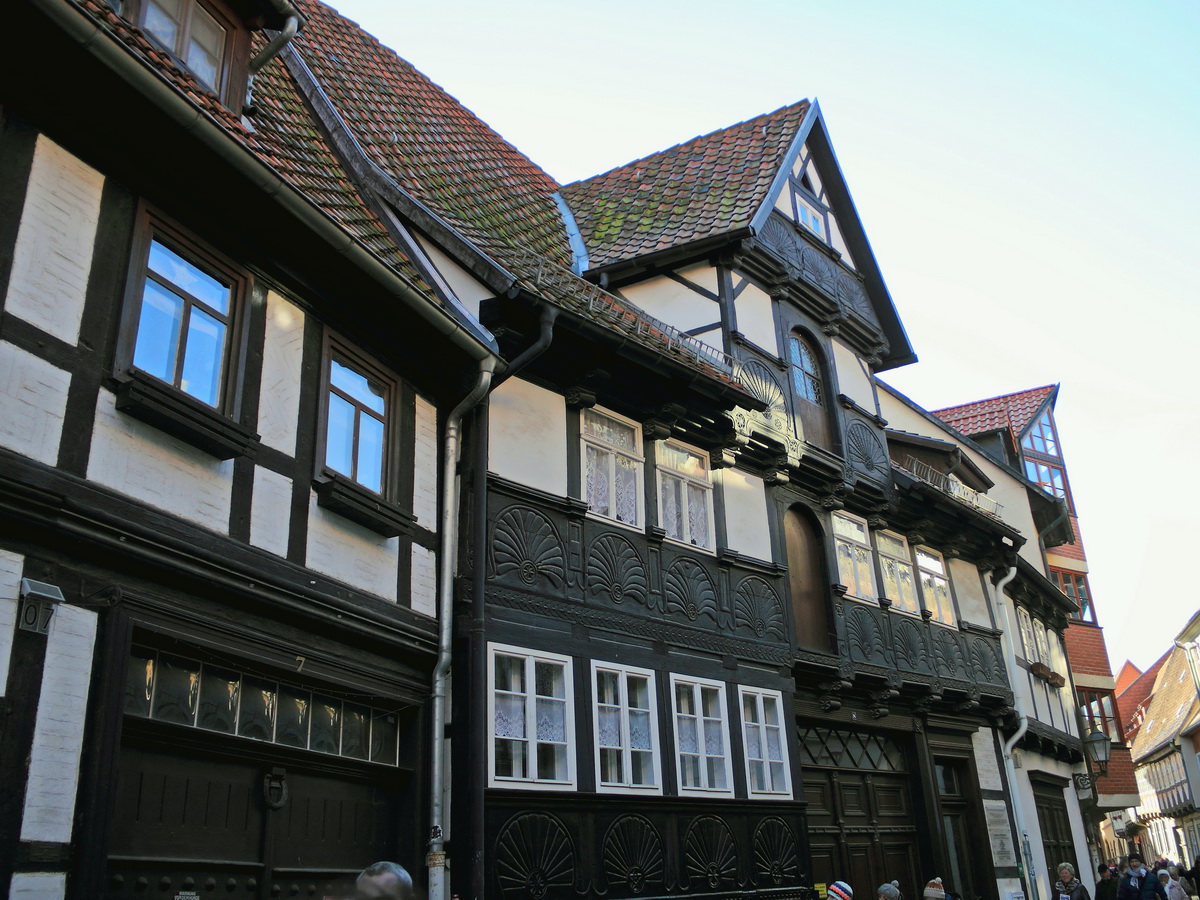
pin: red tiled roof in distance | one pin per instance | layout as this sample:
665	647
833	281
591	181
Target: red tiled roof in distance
1134	694
1011	412
1128	675
434	148
704	187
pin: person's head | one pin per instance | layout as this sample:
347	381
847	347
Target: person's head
934	890
1104	871
1066	872
384	881
889	891
1135	860
1164	876
839	890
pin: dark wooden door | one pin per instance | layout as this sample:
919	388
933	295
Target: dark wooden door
861	816
185	822
1059	847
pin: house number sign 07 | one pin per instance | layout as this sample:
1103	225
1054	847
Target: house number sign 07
36	615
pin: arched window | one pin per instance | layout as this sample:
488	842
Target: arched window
809	580
808	385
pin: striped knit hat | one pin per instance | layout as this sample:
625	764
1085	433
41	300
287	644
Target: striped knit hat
934	890
839	890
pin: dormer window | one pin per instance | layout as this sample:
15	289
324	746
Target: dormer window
203	37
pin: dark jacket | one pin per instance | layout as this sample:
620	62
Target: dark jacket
1140	885
1106	888
1075	892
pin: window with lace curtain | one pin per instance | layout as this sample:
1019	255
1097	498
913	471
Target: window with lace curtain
685	494
532	722
626	722
852	544
701	736
612	466
766	742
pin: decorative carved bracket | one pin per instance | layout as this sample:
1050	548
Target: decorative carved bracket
579	397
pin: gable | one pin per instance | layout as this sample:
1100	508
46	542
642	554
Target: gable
803	198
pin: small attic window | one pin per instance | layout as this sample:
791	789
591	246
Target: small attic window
204	37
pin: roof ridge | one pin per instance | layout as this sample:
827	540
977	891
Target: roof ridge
675	147
994	399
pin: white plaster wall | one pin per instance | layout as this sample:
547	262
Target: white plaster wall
1035	762
38	886
350	553
58	731
674	304
142	462
839	243
854	379
423	595
968	590
32	404
746	525
271	511
426	457
987	759
467	288
528	436
756	318
283	364
702	275
53	253
11	566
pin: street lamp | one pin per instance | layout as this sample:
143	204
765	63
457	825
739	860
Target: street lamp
1099	748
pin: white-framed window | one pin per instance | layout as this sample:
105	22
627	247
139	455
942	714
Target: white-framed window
852	543
532	739
625	714
701	736
808	215
766	745
612	466
1025	623
895	562
685	494
1043	645
935	586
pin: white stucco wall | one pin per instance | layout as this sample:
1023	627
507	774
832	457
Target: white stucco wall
854	379
756	318
350	553
11	566
426	457
675	304
32	404
1033	762
423	596
467	288
140	461
53	253
271	511
283	364
528	436
746	525
58	732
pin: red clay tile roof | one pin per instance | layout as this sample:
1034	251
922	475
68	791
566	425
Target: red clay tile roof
1172	705
707	186
1011	412
285	137
1136	693
434	148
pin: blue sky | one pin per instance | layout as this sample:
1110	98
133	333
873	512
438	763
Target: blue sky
1026	172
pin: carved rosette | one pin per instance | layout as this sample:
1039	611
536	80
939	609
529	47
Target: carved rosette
865	451
616	571
776	860
689	591
633	854
863	639
760	383
534	857
710	855
757	609
526	544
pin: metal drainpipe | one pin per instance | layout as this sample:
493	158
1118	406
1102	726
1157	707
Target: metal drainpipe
290	26
1010	656
435	860
477	724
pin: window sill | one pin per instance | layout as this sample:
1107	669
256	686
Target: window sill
352	501
169	409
